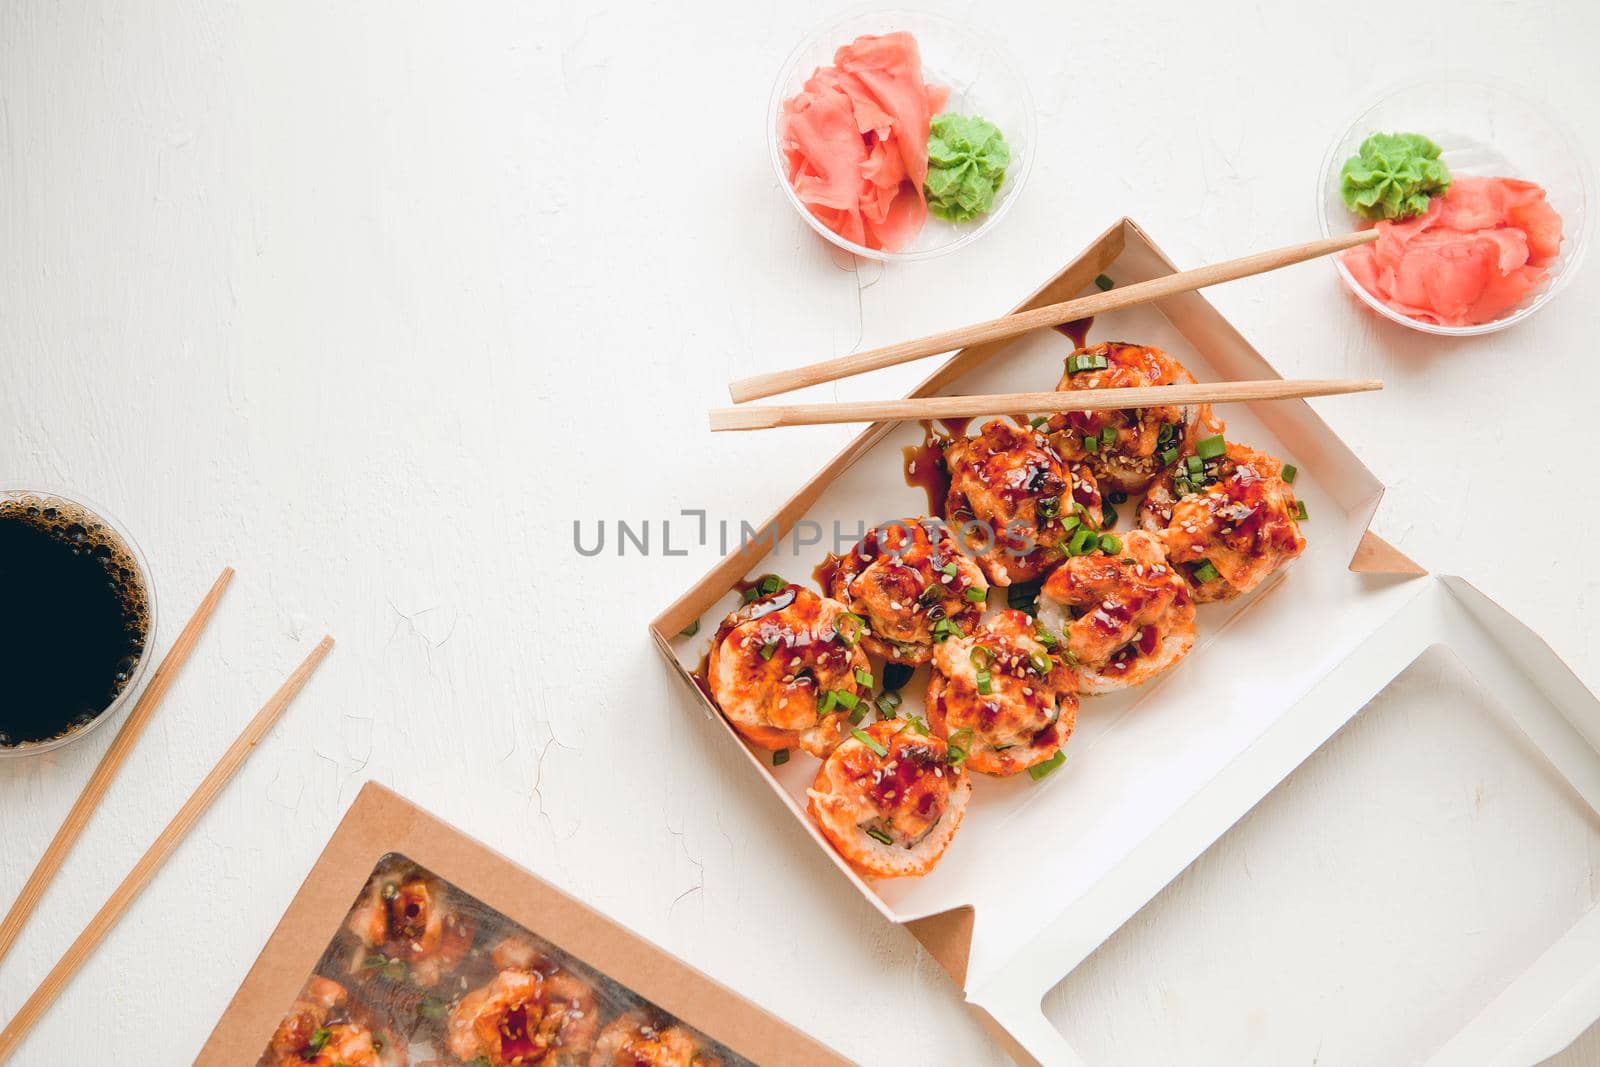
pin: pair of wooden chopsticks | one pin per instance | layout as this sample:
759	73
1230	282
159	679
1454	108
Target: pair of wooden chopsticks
108	916
1007	326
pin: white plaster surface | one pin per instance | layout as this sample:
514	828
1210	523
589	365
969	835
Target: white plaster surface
374	300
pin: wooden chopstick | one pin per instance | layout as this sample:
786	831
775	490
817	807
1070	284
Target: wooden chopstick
110	763
768	416
157	854
762	385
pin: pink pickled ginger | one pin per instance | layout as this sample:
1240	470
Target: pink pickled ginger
855	141
1475	254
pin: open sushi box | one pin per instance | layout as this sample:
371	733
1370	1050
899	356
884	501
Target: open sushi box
1155	775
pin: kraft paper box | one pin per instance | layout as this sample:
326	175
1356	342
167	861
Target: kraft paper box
383	850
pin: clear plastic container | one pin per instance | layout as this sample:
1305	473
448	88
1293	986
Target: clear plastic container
130	691
1483	130
983	80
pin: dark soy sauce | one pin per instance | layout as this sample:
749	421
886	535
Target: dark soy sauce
923	467
74	618
1077	331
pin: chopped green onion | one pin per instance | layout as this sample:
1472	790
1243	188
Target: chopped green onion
1037	421
867	739
950	568
847	701
958	744
829	701
1118	497
1039	770
1169	457
863	678
1102	282
780	757
1182	486
941	630
319	1037
887	702
985	683
878	835
918	725
771	583
1079	545
849	627
976	595
1195	464
930	593
1166	433
750	594
1108	436
1091	444
1040	661
1045	637
768	649
1049	507
690	630
1206	572
1108	517
1070	523
1110	544
1210	447
982	656
859	713
1300	510
1288	473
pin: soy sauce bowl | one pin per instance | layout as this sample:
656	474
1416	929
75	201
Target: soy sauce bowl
94	514
983	80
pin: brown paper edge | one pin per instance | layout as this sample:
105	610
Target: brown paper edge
1374	555
948	938
380	821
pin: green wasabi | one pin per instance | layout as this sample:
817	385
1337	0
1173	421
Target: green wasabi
967	160
1393	176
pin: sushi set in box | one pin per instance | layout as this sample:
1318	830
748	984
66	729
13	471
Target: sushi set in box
411	943
1010	749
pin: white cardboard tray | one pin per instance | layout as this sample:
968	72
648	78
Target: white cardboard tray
1540	1012
1042	873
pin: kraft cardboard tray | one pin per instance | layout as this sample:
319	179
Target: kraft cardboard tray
381	824
1041	873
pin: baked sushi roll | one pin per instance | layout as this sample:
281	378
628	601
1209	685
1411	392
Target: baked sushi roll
1226	516
1013	502
407	928
1122	614
1126	449
642	1039
1000	698
913	589
787	670
531	1012
889	799
319	1031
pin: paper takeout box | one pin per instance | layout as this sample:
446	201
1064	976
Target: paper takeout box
1042	873
381	825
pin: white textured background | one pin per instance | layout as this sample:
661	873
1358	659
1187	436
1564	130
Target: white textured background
372	301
